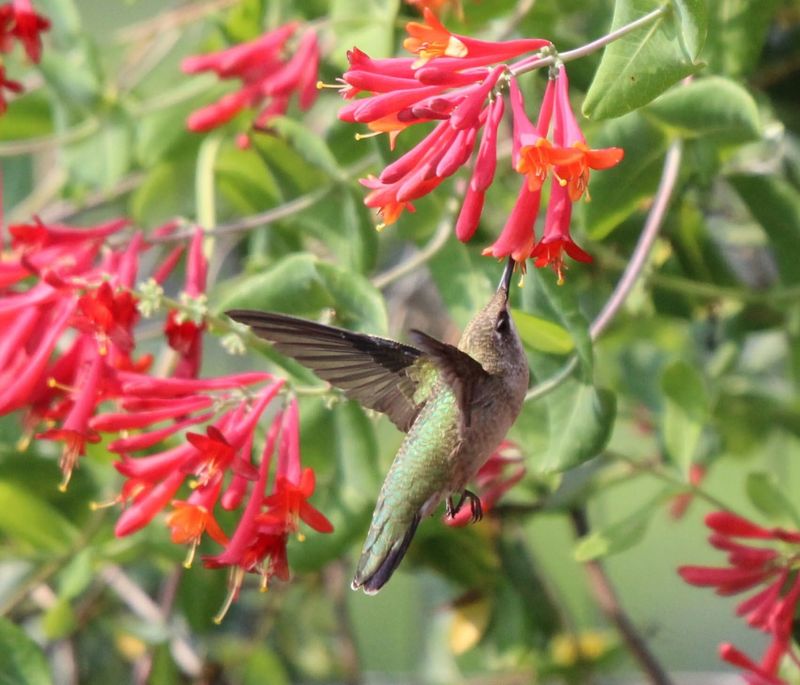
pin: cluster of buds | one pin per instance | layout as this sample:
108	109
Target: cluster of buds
68	310
19	22
773	608
461	82
268	76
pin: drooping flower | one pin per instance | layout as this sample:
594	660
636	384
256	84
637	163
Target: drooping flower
556	238
25	25
774	571
75	432
575	172
268	77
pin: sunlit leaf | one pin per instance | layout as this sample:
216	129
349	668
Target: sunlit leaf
642	64
541	334
710	107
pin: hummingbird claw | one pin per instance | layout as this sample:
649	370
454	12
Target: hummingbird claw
475	507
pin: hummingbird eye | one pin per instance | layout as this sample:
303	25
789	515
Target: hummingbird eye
502	323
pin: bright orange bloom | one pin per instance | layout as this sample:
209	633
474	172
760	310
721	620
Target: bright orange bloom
432	39
189	521
536	160
576	172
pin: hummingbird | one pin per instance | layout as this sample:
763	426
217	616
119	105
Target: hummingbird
455	404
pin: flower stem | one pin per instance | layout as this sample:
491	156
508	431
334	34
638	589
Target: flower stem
26	146
633	271
205	199
606	597
537	62
435	244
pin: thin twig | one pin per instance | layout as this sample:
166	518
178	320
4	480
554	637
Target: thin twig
537	62
632	273
435	244
140	603
606	597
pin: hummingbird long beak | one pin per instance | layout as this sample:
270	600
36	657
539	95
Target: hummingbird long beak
508	272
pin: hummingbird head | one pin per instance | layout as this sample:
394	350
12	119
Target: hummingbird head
491	337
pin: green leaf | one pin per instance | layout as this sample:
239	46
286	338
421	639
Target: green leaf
642	64
292	286
28	116
21	660
359	305
59	620
766	495
693	22
26	518
562	300
542	335
713	106
103	158
310	145
300	284
686	410
163	194
580	419
368	24
776	206
737	30
245	181
616	537
618	192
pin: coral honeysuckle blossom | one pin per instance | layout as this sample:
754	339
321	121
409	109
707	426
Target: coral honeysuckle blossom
20	23
768	561
69	309
269	73
460	82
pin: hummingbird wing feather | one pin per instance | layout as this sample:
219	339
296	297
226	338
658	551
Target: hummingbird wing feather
381	374
460	371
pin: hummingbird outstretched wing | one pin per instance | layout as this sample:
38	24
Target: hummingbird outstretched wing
459	370
381	374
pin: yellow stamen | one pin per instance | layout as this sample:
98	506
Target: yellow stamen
234	583
187	562
361	136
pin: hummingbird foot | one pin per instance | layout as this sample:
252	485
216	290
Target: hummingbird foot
474	504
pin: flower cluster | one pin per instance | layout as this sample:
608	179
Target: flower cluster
461	82
493	480
268	76
19	22
68	312
773	608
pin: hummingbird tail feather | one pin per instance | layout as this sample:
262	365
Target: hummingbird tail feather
372	574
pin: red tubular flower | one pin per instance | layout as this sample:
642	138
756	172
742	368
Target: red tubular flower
26	27
556	239
76	432
517	236
184	334
189	519
431	40
287	504
773	608
576	172
268	78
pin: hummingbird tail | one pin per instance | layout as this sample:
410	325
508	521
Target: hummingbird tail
375	567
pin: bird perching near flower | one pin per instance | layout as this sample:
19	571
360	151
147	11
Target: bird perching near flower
454	403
